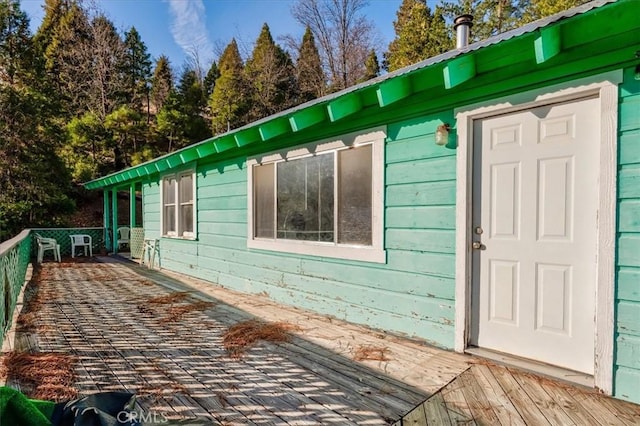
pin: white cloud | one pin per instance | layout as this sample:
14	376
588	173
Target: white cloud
188	27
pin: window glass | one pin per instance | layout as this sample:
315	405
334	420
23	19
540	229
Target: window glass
178	205
186	217
305	200
186	188
263	202
169	191
169	219
355	196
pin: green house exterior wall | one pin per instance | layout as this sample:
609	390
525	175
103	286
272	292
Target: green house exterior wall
627	354
413	292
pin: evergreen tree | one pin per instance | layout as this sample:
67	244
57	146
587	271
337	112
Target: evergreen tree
85	153
419	35
271	75
538	9
161	83
171	123
311	78
490	17
210	79
136	68
34	184
33	181
192	102
15	43
126	133
229	102
372	66
65	39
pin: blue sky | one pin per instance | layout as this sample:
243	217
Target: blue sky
174	27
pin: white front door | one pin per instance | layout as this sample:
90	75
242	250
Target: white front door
535	198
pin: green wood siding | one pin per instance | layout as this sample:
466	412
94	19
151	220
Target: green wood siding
627	353
412	293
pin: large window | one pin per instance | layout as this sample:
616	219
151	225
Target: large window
178	205
324	199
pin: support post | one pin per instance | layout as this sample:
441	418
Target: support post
132	205
114	217
106	222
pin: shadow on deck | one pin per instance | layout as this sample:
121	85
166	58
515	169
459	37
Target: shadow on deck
99	313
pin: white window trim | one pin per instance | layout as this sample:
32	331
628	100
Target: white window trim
374	253
605	86
186	235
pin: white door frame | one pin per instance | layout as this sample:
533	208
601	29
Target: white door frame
605	86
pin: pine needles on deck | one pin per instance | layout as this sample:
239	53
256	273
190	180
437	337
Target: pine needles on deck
50	375
179	306
244	335
169	298
370	352
177	312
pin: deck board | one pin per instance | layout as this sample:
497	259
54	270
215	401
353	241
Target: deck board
417	416
436	411
180	369
549	407
481	408
457	404
503	408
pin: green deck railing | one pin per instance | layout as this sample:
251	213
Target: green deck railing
15	256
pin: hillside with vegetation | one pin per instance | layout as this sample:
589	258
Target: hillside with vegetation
80	99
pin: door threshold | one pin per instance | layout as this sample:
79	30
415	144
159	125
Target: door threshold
552	371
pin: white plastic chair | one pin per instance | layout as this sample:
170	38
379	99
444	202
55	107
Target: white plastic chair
45	244
81	240
123	236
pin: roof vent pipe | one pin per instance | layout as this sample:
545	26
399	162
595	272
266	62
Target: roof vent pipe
462	24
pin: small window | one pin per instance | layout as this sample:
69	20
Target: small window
178	205
325	199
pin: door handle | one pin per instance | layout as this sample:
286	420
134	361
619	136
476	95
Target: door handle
477	245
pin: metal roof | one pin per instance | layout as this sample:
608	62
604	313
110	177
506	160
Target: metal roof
202	149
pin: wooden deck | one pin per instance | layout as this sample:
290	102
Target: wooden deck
179	369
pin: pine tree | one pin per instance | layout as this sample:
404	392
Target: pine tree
419	35
229	101
311	78
271	75
372	66
126	131
15	43
171	123
85	153
65	38
210	79
490	17
136	68
192	102
33	181
538	9
161	83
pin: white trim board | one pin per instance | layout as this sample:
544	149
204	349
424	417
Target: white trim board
605	87
375	252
